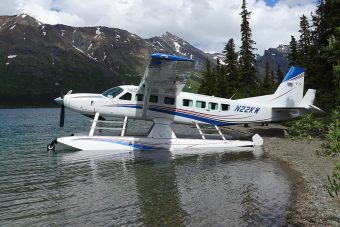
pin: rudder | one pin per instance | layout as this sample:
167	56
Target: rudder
290	91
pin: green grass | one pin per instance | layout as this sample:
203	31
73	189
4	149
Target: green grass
192	86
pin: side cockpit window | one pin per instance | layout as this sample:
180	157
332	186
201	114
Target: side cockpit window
153	98
169	100
126	96
113	92
139	97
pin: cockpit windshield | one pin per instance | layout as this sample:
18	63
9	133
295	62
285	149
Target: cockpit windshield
113	92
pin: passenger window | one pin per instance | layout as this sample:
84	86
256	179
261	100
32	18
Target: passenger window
126	96
213	106
200	104
153	98
187	102
225	107
169	101
139	97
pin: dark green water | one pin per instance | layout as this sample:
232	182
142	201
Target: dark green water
100	189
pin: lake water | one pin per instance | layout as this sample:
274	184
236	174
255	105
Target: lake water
96	189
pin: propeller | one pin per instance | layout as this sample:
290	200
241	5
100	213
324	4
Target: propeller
60	100
62	116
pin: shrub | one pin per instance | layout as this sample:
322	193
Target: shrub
307	126
334	181
332	144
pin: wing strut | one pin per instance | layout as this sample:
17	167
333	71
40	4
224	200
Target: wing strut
146	100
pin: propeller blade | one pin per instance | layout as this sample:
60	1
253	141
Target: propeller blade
62	116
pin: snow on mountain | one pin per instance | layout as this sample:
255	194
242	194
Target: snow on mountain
172	44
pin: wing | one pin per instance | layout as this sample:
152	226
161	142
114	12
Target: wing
165	74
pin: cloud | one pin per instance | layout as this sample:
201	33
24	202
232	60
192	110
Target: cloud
208	24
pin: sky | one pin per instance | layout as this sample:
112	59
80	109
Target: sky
206	24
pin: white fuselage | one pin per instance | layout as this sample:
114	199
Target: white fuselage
185	108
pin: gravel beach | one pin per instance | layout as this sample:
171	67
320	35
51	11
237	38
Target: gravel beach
310	204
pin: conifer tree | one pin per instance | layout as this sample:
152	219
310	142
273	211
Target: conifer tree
304	41
267	81
221	85
272	79
279	75
207	86
293	53
247	57
232	75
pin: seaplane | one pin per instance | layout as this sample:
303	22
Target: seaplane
159	98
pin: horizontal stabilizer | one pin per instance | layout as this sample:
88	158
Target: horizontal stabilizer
310	108
306	104
289	108
316	109
308	99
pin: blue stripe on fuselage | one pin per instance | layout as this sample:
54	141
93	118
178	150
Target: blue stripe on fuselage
206	120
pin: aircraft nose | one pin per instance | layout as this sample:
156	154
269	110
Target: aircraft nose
59	100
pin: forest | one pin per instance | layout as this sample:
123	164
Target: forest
317	50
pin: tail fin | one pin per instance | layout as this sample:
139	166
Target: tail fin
290	91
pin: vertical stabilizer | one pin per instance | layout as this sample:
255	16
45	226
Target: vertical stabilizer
290	91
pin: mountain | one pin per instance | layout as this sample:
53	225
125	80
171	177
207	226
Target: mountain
39	61
174	45
216	55
275	56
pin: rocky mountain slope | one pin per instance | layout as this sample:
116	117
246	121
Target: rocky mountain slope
275	56
38	61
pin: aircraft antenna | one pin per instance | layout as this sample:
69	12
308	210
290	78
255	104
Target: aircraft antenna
233	95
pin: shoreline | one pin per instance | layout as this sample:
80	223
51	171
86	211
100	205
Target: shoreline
310	204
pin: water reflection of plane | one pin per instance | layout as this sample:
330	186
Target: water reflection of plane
156	189
154	174
159	198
